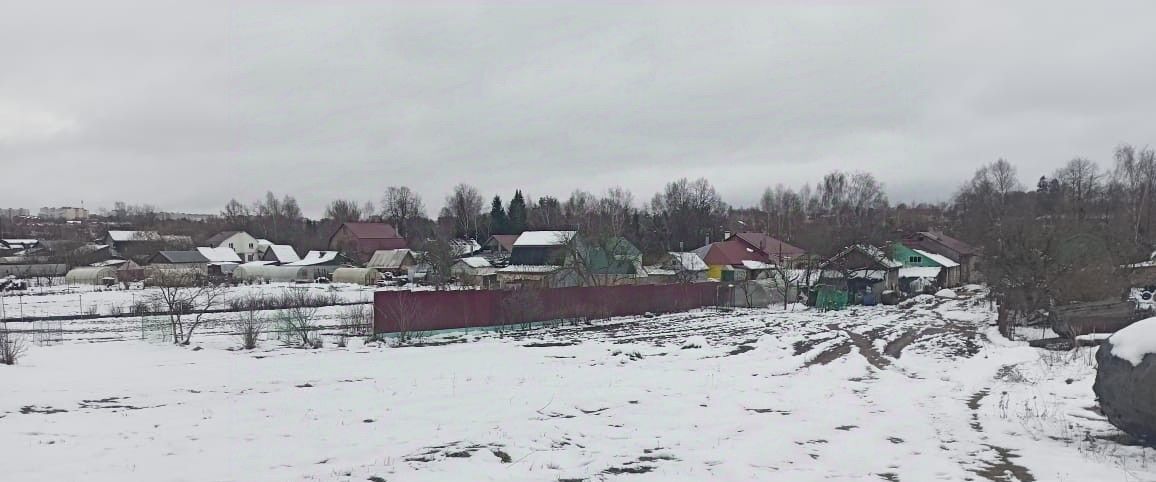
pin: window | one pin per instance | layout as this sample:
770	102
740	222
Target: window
915	259
250	245
230	245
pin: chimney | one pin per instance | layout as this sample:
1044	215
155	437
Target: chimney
726	235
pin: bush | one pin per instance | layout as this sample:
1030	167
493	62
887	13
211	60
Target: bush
12	346
249	328
289	298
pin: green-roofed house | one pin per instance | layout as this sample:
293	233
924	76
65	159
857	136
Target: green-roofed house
920	264
608	262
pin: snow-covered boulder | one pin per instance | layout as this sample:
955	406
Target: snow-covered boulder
946	293
1126	379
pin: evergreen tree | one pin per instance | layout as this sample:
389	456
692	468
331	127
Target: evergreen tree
516	215
499	223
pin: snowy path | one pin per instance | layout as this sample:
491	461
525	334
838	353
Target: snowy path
866	394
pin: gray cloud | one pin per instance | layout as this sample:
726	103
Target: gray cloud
186	105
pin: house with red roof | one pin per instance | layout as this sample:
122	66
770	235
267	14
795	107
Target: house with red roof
360	240
747	255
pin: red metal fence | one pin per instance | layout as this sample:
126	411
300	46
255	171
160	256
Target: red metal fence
404	311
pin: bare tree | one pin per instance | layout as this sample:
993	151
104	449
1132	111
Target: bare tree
464	206
400	205
1135	176
342	210
185	298
686	212
438	255
236	214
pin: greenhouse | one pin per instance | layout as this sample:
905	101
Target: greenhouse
358	276
90	275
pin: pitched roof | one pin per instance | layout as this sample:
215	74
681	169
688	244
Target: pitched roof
872	252
948	241
463	247
316	257
220	237
219	255
771	246
730	253
371	230
121	236
284	253
544	238
689	261
476	262
179	257
388	258
529	268
937	258
506	241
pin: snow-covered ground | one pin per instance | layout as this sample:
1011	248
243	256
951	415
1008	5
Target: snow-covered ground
73	300
882	393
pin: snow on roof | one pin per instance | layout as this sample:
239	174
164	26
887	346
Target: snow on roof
259	263
219	255
529	268
24	243
476	262
690	261
937	258
389	258
109	262
315	257
659	271
544	238
462	247
752	264
264	242
284	253
120	236
1135	341
919	272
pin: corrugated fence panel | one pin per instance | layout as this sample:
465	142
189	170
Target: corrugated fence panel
400	311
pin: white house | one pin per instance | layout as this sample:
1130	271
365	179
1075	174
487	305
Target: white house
242	243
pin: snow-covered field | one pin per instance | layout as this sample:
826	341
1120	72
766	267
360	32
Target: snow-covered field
881	393
74	300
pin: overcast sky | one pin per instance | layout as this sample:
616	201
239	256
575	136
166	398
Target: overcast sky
188	105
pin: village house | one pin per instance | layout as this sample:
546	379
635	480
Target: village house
475	271
360	240
923	270
608	262
186	260
500	244
280	254
747	256
538	260
142	245
862	270
954	249
241	242
394	261
676	267
321	264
